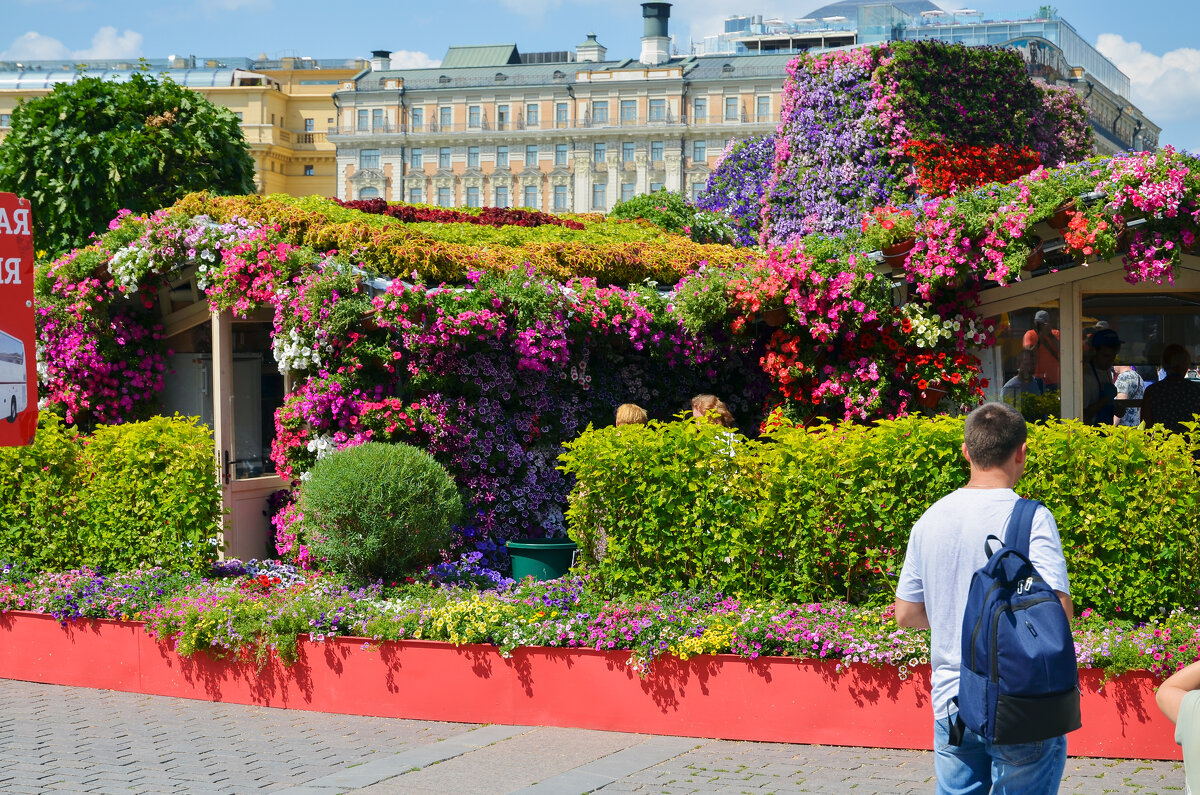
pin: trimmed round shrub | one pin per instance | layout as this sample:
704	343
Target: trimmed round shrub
378	511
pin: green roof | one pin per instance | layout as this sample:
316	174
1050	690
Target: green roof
487	55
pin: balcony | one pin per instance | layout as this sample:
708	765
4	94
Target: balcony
667	120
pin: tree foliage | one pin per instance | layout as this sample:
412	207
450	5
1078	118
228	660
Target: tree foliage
93	147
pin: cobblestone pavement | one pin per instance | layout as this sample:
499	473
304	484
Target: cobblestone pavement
62	739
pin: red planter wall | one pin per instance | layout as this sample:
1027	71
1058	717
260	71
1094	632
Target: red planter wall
721	696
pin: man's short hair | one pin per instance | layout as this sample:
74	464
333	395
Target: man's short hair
993	432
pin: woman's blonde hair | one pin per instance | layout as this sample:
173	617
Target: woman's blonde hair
631	414
713	408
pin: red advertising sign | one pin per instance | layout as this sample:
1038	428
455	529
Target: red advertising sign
18	339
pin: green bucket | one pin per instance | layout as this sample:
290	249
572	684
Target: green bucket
541	558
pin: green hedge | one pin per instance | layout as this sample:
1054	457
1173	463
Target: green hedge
128	495
824	513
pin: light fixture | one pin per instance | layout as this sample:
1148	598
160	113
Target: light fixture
1134	223
1092	196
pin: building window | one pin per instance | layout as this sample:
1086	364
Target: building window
699	152
763	108
363	119
445	117
418	158
531	200
531	115
472	197
628	111
416	196
502	119
445	197
377	119
501	195
418	118
658	110
600	112
501	157
627	189
309	171
560	154
531	155
368	193
473	116
310	125
731	108
472	157
368	158
598	191
560	198
237	113
699	109
444	157
697	189
628	150
561	113
655	187
656	151
599	150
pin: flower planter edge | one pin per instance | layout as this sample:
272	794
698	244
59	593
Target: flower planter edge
720	696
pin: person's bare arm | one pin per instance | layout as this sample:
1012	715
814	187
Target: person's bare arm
911	614
1068	605
1171	692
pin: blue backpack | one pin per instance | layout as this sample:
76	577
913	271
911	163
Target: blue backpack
1019	681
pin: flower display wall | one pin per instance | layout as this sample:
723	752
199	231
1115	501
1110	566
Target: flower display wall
735	186
856	122
490	375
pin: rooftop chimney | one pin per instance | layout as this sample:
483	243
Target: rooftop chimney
381	60
656	44
590	50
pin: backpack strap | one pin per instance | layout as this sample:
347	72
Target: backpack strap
1020	524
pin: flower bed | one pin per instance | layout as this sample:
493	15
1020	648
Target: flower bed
719	696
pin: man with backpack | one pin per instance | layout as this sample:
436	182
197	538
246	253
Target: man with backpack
948	544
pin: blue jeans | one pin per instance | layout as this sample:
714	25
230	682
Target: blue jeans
977	766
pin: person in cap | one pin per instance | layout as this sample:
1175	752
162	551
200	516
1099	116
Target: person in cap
1099	391
1174	400
1044	342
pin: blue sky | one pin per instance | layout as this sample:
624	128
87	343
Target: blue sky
1156	43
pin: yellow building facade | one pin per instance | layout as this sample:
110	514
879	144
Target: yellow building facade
285	106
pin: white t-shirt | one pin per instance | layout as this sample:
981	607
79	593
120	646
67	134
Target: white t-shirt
1187	734
945	549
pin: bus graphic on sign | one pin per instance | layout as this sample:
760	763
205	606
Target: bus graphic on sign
13	395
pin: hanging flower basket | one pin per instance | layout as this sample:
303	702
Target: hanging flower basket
1062	215
775	317
930	396
1035	258
895	253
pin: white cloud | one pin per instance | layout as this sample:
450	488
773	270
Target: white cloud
107	43
412	59
1165	87
33	46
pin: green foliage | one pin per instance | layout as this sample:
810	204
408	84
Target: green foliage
674	213
151	487
130	495
378	511
93	147
824	513
38	497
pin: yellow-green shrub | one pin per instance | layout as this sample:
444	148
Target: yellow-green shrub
128	495
825	513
